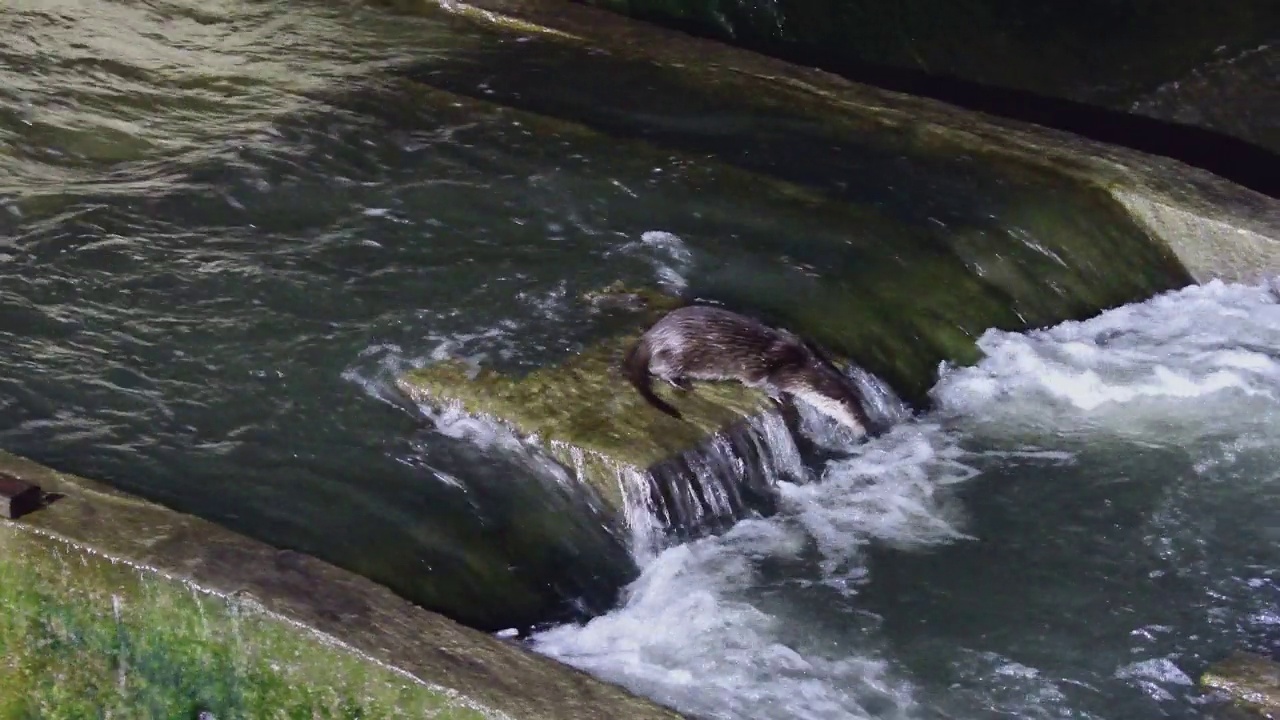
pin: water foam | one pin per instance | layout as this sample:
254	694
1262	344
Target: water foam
1132	369
725	627
669	255
687	638
893	490
693	634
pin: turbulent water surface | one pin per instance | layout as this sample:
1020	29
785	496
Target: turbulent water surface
225	227
1087	519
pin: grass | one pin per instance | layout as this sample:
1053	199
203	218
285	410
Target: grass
83	637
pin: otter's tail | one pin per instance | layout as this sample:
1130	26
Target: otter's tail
636	367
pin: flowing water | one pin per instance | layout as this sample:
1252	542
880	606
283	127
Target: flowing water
1088	518
224	227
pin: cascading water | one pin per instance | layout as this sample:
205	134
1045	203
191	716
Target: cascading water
734	474
1123	537
737	473
731	476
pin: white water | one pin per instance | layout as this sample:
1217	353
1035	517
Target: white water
1188	360
766	621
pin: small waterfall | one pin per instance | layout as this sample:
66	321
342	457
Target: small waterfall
733	474
736	472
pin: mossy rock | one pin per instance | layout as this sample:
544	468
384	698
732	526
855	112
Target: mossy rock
584	412
1251	681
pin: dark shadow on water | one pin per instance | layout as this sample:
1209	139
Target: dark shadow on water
633	100
1237	160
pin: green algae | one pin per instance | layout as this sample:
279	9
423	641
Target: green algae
1251	681
584	411
85	637
903	307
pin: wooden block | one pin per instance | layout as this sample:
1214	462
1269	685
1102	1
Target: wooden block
17	496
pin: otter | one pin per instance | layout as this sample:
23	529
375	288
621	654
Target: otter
701	342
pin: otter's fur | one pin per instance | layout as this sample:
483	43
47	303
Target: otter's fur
701	342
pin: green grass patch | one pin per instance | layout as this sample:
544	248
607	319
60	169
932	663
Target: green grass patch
83	637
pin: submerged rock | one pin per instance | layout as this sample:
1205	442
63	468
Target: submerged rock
1250	680
908	227
922	252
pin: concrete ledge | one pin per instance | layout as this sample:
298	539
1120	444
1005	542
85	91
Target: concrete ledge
114	603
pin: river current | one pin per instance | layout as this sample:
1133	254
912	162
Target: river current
225	227
1086	520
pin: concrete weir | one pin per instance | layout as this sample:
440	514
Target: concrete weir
111	606
1215	228
1129	225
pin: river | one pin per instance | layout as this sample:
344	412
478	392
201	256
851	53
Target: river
1086	520
225	227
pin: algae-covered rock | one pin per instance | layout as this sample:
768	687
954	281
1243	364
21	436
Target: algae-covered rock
583	410
1252	681
617	295
111	606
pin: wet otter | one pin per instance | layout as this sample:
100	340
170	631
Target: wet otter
701	342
